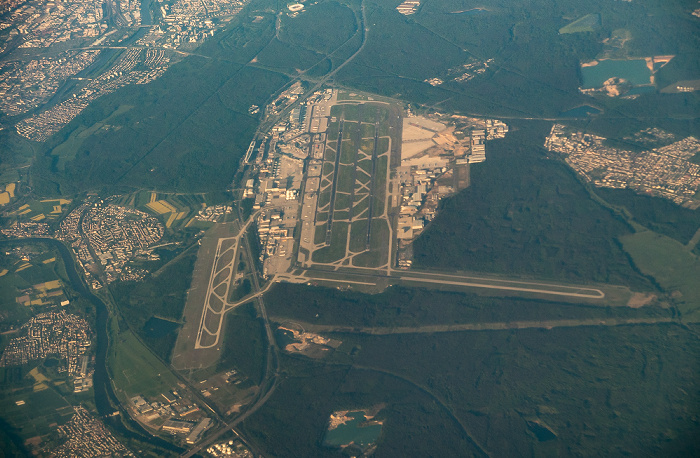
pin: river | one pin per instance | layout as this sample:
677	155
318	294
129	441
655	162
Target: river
105	59
105	398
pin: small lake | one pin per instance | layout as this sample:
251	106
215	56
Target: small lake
542	432
641	90
352	432
635	71
580	112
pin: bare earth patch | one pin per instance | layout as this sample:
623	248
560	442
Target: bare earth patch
640	300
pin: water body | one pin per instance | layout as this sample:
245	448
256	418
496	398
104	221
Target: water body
581	112
635	71
146	17
542	432
352	432
106	57
641	90
105	399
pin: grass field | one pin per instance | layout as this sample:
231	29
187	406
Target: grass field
355	188
377	254
34	278
336	250
588	23
41	412
175	210
655	213
46	210
673	267
135	370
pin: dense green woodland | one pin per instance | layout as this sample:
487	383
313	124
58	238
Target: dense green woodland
659	215
527	214
188	129
414	424
626	390
414	307
244	345
158	296
601	390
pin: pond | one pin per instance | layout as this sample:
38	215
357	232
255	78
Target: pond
353	431
541	431
634	70
641	90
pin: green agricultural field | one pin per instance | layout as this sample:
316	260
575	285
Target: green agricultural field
45	210
588	23
19	276
175	210
657	214
675	268
41	412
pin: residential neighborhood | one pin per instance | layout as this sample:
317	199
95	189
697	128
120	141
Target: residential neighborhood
662	172
61	334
